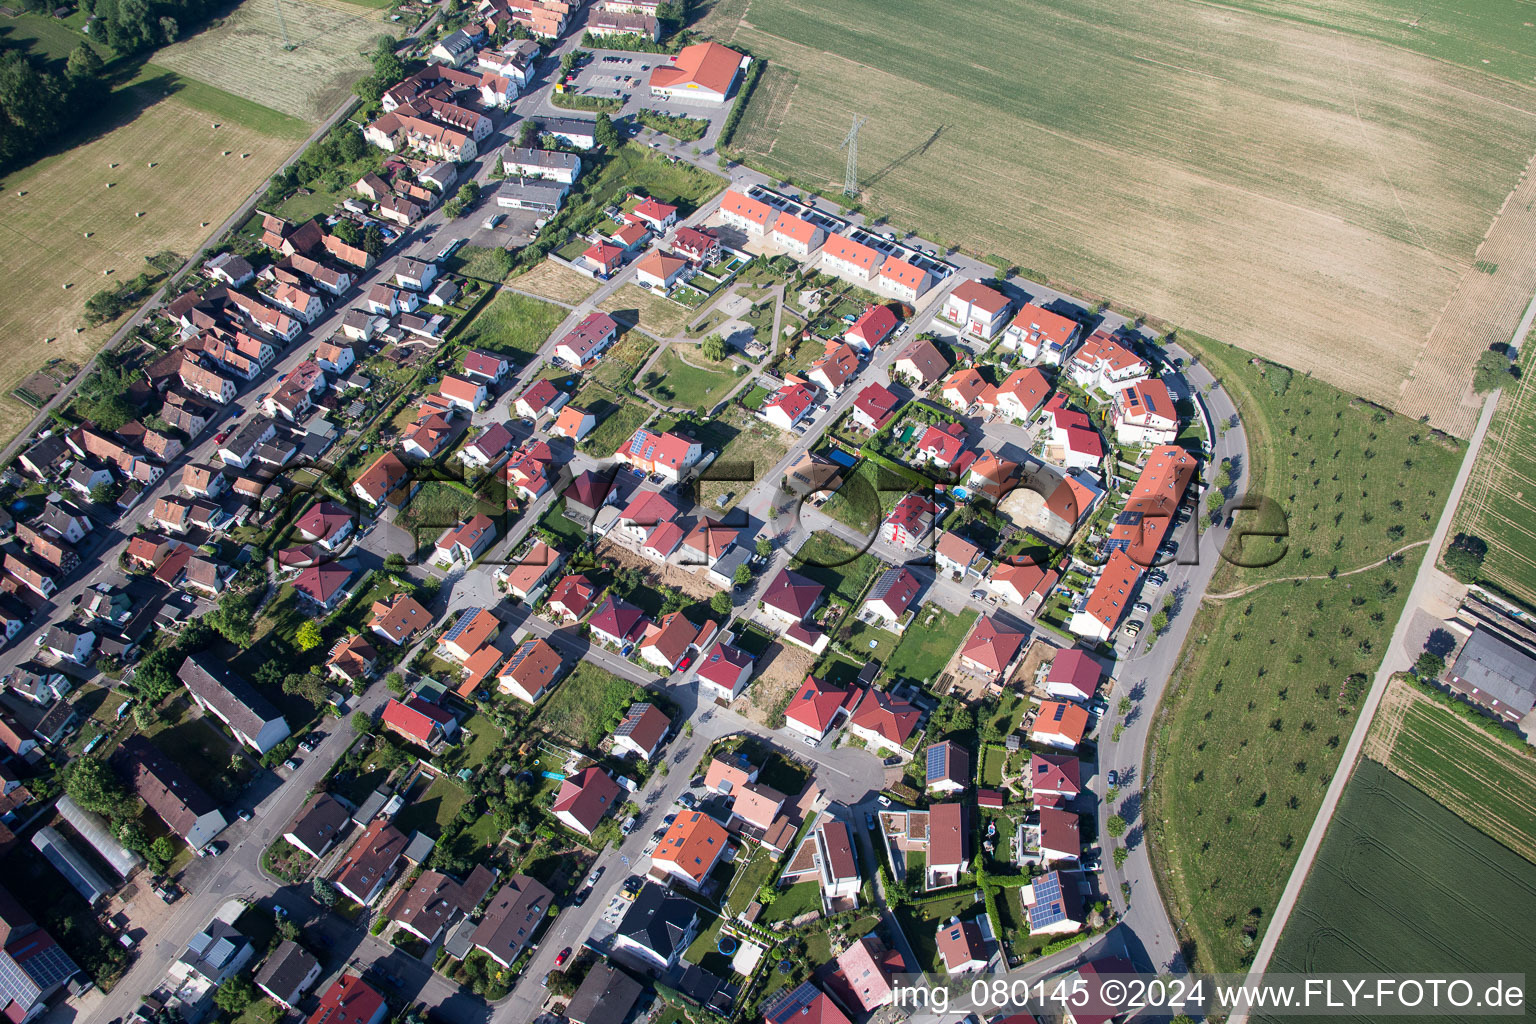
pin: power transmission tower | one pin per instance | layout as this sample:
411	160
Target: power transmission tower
851	144
283	25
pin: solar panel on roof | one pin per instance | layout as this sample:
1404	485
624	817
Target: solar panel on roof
461	625
935	762
1061	709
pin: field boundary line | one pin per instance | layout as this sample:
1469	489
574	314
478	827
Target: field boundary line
1229	595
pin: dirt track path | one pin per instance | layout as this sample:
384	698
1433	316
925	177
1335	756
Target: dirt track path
1229	595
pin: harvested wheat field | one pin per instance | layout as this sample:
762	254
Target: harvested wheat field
552	281
244	53
1316	197
70	228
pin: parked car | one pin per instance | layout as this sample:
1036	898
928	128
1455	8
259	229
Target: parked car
1113	777
687	801
808	741
883	800
292	764
628	826
563	956
243	814
687	660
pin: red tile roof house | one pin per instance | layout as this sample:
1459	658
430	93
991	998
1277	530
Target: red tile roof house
977	309
584	798
472	630
872	328
1103	362
884	724
1053	775
1059	837
962	946
659	270
399	618
789	405
902	280
463	392
571	599
1074	675
533	668
323	586
486	365
967	387
540	400
370	863
990	650
573	422
874	407
910	521
618	623
1144	414
893	594
588	340
941	445
420	721
641	733
724	672
690	849
954	554
350	1000
699	247
666	455
667	642
1022	394
836	368
791	598
603	259
487	449
797	237
528	472
805	1005
745	214
540	563
1059	724
818	706
948	845
921	362
846	258
654	215
862	981
385	481
1039	334
327	524
467	541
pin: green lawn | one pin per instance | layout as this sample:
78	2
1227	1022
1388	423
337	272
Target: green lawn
568	533
797	899
749	880
682	383
439	505
1270	684
749	455
992	760
920	922
836	564
867	494
434	809
620	365
929	642
587	706
616	423
513	325
861	635
477	742
705	951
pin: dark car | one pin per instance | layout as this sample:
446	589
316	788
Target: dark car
1113	778
1229	520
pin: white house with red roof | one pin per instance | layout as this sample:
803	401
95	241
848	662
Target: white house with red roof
618	623
790	598
1104	362
884	723
849	259
645	512
326	524
661	542
921	361
1054	775
655	215
1074	675
540	400
789	405
977	309
488	448
487	365
467	541
603	259
1144	414
836	368
642	731
659	270
724	672
1022	394
573	422
966	387
1082	448
419	720
954	554
668	642
817	707
1040	335
872	328
572	598
894	592
584	798
529	472
910	521
667	455
874	407
903	280
941	445
796	236
990	650
587	340
463	392
323	585
698	246
750	216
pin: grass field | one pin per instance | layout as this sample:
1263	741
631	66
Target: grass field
583	703
687	383
1481	779
920	922
513	325
929	642
61	225
434	809
552	281
836	564
1248	736
1356	180
244	53
752	453
620	365
617	418
1403	885
1499	503
634	306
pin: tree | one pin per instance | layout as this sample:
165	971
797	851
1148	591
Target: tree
387	66
95	787
1464	558
234	618
1120	855
1494	370
1124	706
1115	826
528	134
235	995
394	560
307	636
743	576
720	604
1429	665
83	66
396	683
605	133
325	893
373	241
764	547
102	494
160	854
132	835
714	348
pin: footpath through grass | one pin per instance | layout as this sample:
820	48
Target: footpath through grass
1268	687
513	325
